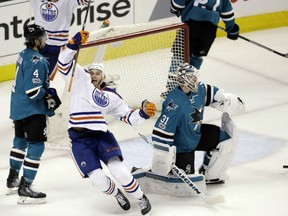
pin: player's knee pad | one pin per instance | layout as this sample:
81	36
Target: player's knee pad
163	158
222	156
99	179
118	170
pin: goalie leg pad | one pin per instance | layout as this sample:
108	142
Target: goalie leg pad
163	158
222	156
151	182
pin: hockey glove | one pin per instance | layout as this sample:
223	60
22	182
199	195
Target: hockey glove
79	39
234	32
227	102
53	101
175	12
147	109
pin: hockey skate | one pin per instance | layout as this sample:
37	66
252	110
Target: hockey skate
27	195
12	182
122	201
144	205
210	181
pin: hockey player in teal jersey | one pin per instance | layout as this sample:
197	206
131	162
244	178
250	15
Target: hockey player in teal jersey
180	125
202	18
32	100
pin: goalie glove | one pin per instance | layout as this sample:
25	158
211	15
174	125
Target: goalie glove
227	102
147	109
53	101
78	39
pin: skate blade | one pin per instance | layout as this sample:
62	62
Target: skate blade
28	200
12	191
149	213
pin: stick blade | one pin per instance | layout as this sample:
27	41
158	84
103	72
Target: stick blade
215	200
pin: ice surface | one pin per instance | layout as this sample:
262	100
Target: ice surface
258	184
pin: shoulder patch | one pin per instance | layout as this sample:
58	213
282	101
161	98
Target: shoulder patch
35	59
171	105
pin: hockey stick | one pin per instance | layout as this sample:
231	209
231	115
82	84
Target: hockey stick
285	55
208	199
77	54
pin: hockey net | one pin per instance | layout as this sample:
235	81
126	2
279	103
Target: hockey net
140	54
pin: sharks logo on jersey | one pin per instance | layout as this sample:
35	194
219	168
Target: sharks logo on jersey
171	106
100	98
35	59
48	11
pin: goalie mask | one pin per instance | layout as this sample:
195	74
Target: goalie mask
188	76
94	68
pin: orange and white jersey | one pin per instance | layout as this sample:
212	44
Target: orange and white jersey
89	105
55	18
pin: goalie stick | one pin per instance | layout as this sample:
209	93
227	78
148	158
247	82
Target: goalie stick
285	55
212	200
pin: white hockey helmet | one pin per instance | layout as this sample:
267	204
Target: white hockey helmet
100	67
188	76
96	66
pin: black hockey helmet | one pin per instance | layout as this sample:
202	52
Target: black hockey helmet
33	31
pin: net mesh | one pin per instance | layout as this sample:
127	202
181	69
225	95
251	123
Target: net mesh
142	55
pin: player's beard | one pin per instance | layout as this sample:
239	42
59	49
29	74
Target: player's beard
96	83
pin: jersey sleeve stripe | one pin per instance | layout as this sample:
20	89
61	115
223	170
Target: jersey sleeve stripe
208	95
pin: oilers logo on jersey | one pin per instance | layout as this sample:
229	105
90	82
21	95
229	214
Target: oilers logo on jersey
100	98
49	11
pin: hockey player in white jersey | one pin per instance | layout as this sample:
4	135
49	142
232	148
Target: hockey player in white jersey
55	17
92	142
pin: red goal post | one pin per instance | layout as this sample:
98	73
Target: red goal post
140	57
140	54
